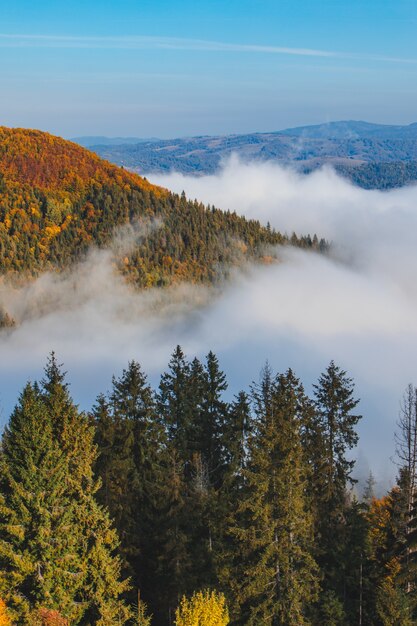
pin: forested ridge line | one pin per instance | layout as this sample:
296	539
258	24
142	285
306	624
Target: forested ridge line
112	516
58	200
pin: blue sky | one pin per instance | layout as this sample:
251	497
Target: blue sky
174	67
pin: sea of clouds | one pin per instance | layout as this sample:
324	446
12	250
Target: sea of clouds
357	306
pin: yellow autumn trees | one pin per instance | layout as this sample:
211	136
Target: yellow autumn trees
205	608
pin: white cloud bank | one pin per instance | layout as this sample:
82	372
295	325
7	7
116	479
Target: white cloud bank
358	308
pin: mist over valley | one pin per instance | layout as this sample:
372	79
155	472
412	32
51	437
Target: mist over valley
355	304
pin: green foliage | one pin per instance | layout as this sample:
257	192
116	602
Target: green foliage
131	440
212	420
204	493
330	435
38	549
392	605
335	403
57	544
278	578
176	404
331	610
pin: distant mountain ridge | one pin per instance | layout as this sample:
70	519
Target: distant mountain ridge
345	129
379	150
87	141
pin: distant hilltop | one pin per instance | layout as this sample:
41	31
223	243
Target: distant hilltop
372	155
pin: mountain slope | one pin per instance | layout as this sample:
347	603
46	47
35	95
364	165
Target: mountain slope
53	164
57	200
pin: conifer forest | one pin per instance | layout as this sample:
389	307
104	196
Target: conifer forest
179	505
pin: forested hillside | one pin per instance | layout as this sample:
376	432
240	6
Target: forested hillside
112	517
381	175
57	200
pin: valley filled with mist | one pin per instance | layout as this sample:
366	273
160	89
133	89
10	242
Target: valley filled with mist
356	304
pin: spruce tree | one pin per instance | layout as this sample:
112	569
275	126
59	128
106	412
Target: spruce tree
183	406
334	435
406	456
262	394
235	438
277	577
408	573
213	420
335	403
173	556
208	465
58	547
196	388
40	561
357	568
105	438
369	490
175	404
131	441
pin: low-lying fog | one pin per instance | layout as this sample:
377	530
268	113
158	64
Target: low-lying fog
358	307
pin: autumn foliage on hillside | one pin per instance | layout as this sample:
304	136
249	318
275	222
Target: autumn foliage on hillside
57	200
50	163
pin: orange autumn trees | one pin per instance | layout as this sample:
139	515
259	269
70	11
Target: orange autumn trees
49	617
4	616
379	518
50	163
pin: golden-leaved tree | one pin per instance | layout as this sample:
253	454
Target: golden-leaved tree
205	608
